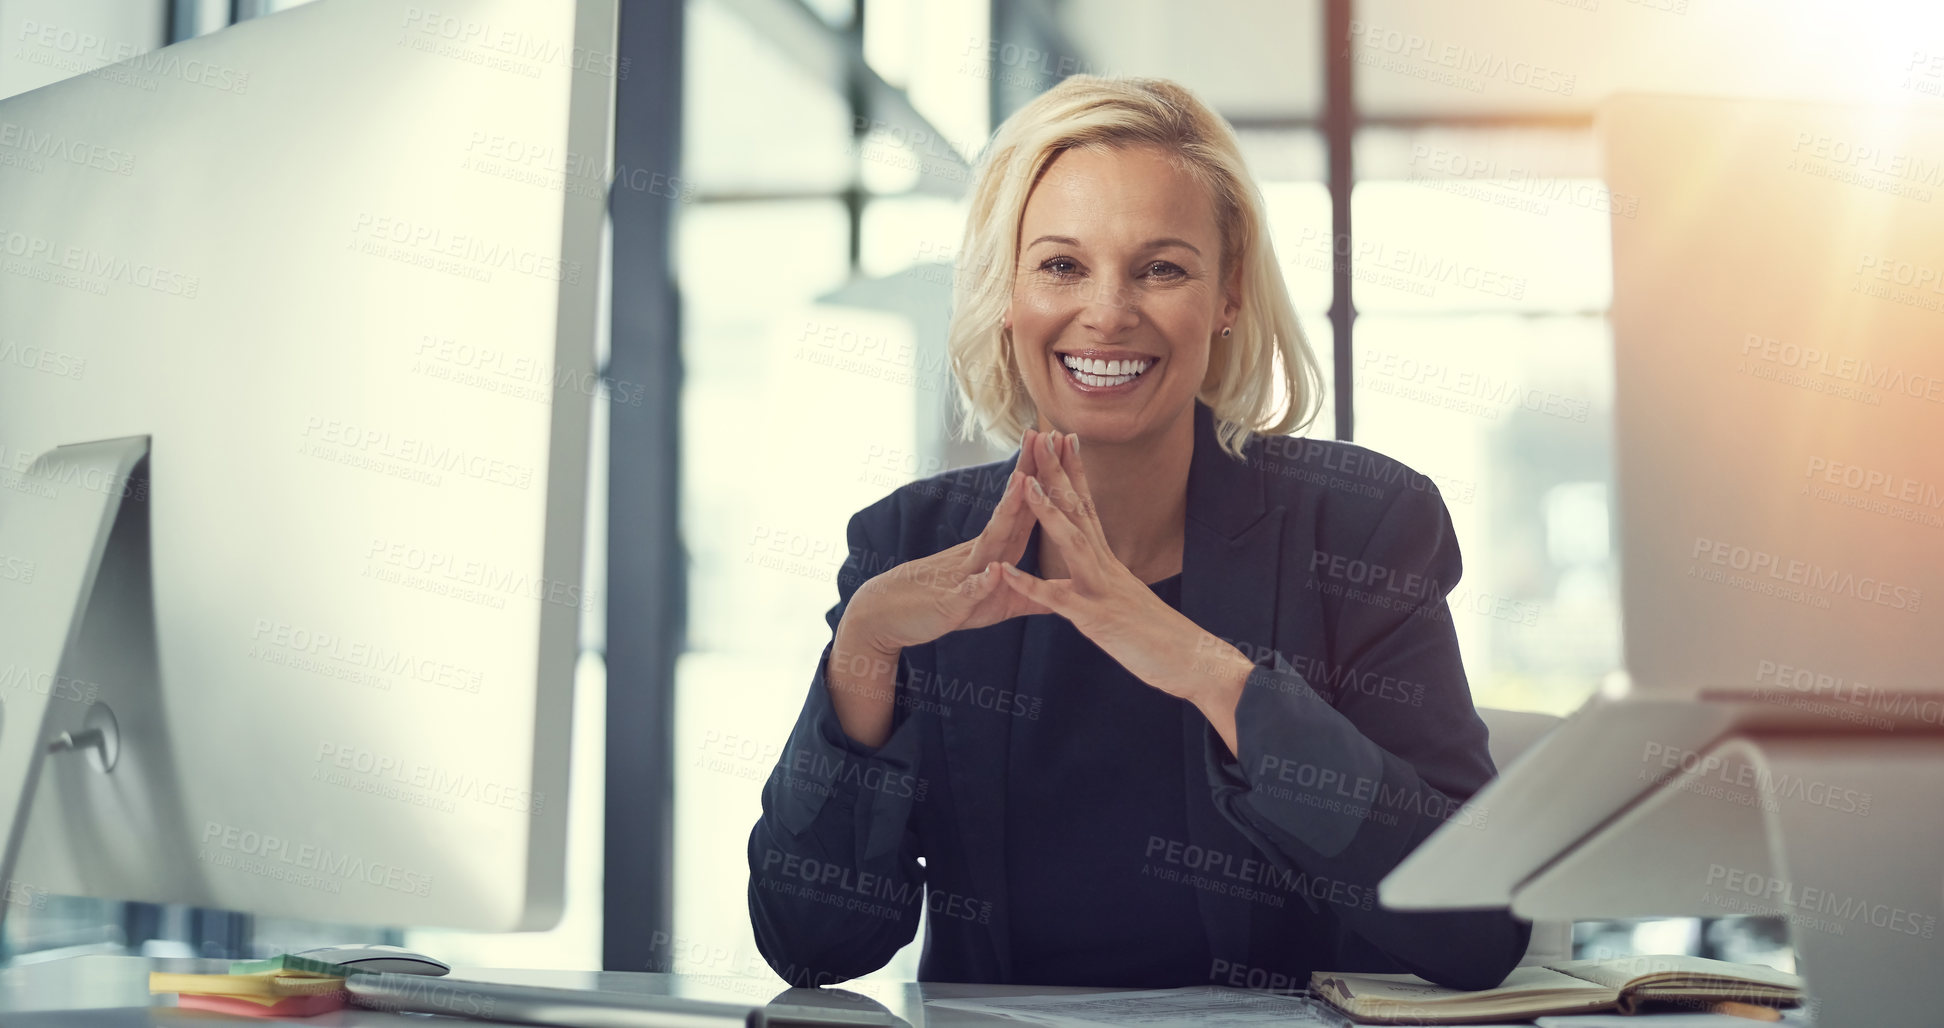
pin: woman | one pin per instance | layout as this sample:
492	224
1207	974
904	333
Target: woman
1158	700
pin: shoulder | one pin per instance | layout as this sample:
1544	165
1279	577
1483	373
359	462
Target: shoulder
1344	479
907	519
1349	498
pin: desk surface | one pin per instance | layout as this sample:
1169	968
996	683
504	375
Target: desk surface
93	983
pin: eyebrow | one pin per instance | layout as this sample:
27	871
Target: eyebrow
1152	244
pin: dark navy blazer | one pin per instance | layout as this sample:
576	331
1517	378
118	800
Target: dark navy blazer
1324	562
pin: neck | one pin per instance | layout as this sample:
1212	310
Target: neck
1140	490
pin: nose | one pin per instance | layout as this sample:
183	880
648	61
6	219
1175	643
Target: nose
1111	306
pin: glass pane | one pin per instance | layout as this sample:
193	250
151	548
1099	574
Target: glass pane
1532	158
1416	58
1282	155
949	83
899	232
754	120
797	413
836	13
1459	244
1246	58
1512	418
938	54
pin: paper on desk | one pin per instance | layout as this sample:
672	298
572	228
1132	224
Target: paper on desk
1194	1007
1791	1018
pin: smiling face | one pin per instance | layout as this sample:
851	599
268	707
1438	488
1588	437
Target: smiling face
1118	293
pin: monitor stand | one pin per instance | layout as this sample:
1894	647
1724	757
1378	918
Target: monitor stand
54	533
1841	835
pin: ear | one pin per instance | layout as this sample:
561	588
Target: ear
1232	293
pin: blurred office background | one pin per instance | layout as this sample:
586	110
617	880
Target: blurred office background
1433	183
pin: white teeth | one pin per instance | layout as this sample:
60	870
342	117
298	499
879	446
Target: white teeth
1083	367
1104	374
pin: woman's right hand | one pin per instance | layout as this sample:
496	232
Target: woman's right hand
956	588
922	599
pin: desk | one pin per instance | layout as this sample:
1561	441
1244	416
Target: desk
93	983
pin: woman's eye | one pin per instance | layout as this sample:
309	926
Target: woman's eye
1164	269
1061	266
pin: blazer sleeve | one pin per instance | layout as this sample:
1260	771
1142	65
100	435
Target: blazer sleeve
1338	790
835	887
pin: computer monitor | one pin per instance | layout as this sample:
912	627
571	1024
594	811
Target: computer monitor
1778	745
298	333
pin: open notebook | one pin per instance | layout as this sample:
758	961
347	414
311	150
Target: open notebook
1567	987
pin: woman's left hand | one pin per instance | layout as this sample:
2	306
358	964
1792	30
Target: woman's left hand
1111	605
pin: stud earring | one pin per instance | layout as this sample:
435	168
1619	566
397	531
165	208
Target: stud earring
1225	332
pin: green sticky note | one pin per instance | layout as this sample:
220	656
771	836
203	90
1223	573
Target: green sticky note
288	964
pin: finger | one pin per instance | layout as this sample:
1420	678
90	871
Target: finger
994	541
1049	597
977	587
1053	472
1077	472
1021	605
1079	549
1029	453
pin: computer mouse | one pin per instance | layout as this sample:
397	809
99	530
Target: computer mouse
374	957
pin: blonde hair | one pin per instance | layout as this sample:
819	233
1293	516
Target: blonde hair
1090	110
